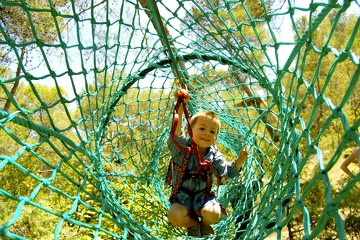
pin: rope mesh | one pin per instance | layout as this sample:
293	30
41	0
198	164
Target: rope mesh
87	93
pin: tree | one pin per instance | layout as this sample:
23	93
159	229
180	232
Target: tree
36	26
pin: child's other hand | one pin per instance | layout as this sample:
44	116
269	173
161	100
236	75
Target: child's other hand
243	156
244	153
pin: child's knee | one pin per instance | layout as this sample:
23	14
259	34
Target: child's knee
211	212
210	217
177	214
175	217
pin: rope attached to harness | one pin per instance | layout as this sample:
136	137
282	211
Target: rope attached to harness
203	164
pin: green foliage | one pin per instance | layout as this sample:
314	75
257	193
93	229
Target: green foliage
40	24
328	80
229	25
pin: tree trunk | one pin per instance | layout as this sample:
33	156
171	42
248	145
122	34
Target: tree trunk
16	84
257	102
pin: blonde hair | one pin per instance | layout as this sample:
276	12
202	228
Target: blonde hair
207	114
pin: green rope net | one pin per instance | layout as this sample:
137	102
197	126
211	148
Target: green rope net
87	97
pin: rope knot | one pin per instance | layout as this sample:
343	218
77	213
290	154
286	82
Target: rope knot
204	166
182	93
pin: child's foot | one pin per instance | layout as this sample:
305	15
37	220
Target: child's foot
194	231
206	230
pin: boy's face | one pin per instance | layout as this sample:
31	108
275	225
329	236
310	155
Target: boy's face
205	132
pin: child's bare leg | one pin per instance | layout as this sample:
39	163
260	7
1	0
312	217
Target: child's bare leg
179	216
211	213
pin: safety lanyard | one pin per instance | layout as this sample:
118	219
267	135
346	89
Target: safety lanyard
203	164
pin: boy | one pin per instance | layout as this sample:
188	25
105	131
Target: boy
192	200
